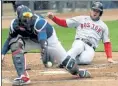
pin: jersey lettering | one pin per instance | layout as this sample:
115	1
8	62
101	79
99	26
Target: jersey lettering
91	26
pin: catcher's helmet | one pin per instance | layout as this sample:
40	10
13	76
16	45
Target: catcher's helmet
98	6
24	14
22	9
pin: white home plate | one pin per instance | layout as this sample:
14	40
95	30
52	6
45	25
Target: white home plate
53	72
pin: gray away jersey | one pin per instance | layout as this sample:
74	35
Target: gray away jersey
86	28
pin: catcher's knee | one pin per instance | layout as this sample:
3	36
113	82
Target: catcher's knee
16	44
70	65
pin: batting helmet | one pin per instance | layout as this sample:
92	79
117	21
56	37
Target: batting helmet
98	6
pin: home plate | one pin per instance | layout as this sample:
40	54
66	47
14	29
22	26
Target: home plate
53	72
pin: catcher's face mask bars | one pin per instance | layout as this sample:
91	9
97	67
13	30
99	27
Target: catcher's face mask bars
26	18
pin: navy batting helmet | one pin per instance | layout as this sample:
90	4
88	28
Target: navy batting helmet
98	6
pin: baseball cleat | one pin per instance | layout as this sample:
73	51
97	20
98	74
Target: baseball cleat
21	81
60	66
83	73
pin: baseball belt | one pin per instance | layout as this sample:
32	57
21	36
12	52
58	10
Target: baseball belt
84	40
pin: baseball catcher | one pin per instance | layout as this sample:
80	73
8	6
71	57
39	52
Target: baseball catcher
30	31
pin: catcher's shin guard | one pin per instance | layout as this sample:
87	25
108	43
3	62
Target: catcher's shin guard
70	65
18	56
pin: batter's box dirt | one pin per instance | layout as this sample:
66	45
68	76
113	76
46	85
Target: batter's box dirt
103	74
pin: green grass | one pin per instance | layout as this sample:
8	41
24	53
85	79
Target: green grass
66	36
113	30
4	35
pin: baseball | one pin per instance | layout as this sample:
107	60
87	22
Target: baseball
49	64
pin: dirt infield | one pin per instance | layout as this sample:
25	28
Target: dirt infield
103	74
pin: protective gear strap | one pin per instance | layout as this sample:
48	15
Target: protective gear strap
61	22
108	49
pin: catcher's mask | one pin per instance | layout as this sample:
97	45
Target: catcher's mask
98	6
24	15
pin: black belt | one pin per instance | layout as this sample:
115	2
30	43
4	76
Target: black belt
86	42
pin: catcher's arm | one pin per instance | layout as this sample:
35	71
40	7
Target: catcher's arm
5	48
41	27
44	52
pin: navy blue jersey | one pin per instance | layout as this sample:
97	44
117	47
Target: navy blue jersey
38	25
38	29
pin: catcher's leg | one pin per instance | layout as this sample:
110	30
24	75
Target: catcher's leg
71	66
17	48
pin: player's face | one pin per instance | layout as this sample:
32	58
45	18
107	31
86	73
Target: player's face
95	14
25	20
